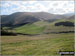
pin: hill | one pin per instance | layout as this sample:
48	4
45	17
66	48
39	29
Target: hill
21	18
17	19
37	22
42	27
72	17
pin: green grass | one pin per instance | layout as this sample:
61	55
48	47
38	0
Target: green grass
30	29
43	27
41	23
47	44
52	28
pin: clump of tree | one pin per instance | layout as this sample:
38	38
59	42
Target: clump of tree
66	23
6	32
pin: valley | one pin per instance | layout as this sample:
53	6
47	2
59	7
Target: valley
32	34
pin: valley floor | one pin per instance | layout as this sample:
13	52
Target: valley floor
47	44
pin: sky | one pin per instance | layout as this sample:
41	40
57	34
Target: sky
55	7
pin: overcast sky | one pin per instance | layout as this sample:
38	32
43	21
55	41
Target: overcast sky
55	7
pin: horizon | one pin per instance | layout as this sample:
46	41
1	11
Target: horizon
53	7
42	11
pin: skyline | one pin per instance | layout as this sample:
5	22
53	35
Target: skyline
54	7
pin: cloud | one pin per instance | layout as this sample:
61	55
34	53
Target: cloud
56	7
62	7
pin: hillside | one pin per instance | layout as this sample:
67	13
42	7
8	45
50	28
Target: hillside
42	27
72	17
17	19
20	18
37	22
30	29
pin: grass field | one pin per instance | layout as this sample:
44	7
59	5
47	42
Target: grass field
30	29
45	44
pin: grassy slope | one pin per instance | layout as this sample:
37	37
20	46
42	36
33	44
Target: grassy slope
41	27
30	29
35	28
52	28
49	44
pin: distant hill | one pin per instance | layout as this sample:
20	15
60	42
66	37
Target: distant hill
17	19
22	18
38	23
72	17
69	14
47	16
